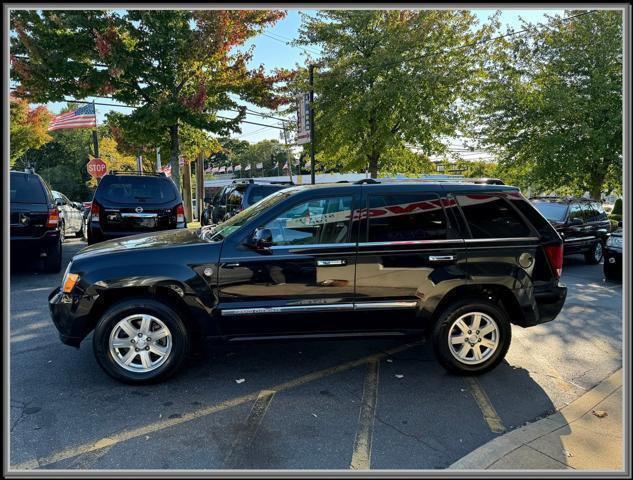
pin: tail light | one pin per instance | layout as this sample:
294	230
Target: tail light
180	214
555	256
53	218
94	212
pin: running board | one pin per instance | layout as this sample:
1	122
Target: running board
316	336
342	307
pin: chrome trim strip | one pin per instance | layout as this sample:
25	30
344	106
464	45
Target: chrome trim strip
298	308
311	246
567	240
139	215
378	305
511	239
318	335
410	242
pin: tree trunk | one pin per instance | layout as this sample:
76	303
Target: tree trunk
595	187
186	189
373	164
175	155
200	185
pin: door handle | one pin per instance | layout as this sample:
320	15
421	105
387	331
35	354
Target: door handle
331	263
441	258
231	265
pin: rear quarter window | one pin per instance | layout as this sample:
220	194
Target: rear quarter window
535	216
128	189
27	189
491	216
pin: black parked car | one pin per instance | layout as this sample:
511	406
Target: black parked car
34	221
582	224
461	261
238	196
128	204
70	215
613	255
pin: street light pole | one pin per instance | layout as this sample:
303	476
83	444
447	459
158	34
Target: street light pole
312	176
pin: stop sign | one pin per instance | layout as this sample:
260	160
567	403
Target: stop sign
97	168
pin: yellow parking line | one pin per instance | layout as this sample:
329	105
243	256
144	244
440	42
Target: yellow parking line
361	456
485	405
247	435
203	412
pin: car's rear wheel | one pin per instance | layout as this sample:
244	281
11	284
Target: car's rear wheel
595	253
471	336
141	340
53	259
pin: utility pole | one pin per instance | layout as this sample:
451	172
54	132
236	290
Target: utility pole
199	185
288	157
312	166
158	166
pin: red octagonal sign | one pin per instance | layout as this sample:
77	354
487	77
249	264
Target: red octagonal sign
97	168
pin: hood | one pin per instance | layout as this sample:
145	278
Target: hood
145	241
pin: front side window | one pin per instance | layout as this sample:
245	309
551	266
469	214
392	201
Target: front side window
319	221
490	216
405	217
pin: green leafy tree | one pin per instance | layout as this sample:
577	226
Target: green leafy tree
389	81
178	67
550	104
266	152
27	128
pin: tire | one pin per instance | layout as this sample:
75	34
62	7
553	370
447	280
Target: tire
611	273
594	255
445	327
108	325
53	259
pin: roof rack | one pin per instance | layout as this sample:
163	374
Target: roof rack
253	180
566	198
144	174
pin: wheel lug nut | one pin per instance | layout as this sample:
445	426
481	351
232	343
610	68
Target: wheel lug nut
136	349
477	332
140	334
469	332
149	339
479	339
133	341
147	348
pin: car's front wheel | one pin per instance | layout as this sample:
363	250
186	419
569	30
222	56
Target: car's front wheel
471	336
594	255
141	340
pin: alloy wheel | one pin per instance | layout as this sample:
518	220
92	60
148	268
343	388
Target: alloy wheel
473	338
140	343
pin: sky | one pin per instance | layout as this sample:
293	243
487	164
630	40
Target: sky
272	51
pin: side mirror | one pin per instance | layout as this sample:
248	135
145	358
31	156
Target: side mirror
262	239
576	221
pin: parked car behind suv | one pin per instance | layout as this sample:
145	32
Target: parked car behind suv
459	261
582	224
34	221
70	215
613	255
128	204
238	196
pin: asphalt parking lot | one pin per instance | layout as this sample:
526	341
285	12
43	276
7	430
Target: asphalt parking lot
379	404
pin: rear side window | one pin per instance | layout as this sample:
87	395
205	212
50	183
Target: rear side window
128	189
535	216
490	216
405	217
553	211
259	192
26	189
575	211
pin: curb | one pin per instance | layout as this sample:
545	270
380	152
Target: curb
489	453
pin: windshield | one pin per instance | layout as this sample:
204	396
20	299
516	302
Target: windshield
552	211
216	233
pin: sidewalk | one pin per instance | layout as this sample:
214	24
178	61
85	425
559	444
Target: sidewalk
579	436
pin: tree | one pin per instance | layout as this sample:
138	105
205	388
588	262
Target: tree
266	152
550	105
27	128
387	81
177	67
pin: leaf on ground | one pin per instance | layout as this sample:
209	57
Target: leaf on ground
599	413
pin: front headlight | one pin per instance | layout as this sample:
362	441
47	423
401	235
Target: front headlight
615	242
70	280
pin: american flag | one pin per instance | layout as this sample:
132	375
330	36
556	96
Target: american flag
83	117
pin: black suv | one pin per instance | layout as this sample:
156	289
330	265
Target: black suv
34	221
582	224
238	196
128	204
460	261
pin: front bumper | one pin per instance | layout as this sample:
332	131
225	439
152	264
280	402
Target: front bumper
71	315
